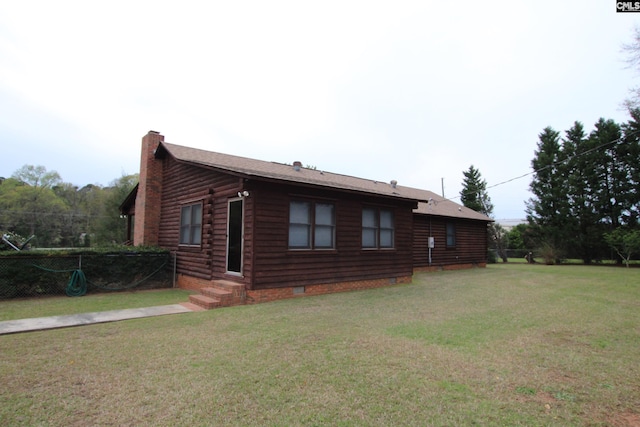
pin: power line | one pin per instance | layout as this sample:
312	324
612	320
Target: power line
559	162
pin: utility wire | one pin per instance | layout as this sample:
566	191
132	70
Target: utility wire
559	162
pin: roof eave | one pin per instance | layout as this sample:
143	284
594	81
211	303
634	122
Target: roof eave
262	177
129	201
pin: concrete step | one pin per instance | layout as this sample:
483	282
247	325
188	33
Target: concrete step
204	301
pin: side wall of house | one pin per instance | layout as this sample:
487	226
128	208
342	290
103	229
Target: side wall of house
277	266
185	185
268	263
470	243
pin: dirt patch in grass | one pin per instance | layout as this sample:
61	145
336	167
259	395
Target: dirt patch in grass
625	419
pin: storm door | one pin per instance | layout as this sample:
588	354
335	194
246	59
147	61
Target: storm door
235	236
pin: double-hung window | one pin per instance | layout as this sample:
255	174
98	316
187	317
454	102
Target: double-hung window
451	235
378	229
191	224
324	232
312	225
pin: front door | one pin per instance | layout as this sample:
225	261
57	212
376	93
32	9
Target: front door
235	236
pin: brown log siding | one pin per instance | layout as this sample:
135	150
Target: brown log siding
267	260
470	248
184	185
278	266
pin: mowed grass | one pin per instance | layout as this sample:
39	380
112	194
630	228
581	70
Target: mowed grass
56	306
506	345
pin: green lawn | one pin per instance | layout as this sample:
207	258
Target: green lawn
512	344
54	306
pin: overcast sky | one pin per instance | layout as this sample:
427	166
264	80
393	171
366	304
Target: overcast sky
415	91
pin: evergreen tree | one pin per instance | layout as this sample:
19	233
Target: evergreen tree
548	209
474	192
474	196
610	173
631	142
585	187
582	222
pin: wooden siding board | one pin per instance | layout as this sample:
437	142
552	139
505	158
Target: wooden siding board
185	184
267	260
277	266
471	242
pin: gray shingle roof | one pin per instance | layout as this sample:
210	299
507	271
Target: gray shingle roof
429	203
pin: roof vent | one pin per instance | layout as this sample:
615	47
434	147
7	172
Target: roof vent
394	183
297	166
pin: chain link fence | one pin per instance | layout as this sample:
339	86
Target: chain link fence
27	276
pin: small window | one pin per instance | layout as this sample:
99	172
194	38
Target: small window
378	230
369	228
325	225
311	225
451	235
386	229
191	225
300	225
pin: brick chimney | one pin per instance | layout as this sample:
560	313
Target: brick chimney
147	210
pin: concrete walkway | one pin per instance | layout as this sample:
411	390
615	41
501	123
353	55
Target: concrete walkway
54	322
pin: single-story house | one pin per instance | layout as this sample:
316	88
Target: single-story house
447	235
264	230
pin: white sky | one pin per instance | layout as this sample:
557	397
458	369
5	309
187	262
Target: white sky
415	91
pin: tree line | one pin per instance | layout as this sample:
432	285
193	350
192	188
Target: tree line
585	188
586	195
36	202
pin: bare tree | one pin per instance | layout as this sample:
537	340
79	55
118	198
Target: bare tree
632	52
